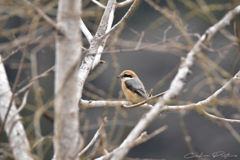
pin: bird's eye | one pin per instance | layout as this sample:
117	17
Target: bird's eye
127	75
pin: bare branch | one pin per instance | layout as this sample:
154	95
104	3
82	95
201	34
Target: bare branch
94	137
20	68
213	117
127	14
187	137
119	5
154	47
96	46
127	104
140	41
124	3
13	126
99	4
12	53
19	41
201	103
24	101
165	32
227	125
107	21
45	17
176	85
85	30
142	138
33	80
85	103
141	103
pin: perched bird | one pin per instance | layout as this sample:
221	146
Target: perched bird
132	87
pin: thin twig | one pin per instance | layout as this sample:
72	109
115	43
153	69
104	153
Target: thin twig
127	14
165	32
85	30
33	80
143	102
187	138
44	16
140	139
24	101
15	87
12	53
203	102
152	47
18	41
227	125
94	137
213	117
140	41
144	137
124	3
99	4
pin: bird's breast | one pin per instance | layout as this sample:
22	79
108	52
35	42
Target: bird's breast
131	96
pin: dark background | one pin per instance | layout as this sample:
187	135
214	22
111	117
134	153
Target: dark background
207	136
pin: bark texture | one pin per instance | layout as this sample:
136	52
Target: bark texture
68	54
13	126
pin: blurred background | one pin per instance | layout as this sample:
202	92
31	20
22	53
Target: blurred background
150	42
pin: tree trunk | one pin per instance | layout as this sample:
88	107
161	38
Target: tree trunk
68	53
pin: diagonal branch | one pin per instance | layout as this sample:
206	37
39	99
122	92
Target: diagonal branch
213	117
96	46
127	14
94	137
196	106
13	126
85	30
124	3
33	80
203	102
143	102
20	68
142	138
99	4
175	87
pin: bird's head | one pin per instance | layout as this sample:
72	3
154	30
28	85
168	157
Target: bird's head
127	74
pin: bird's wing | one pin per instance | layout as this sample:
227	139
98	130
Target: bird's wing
137	87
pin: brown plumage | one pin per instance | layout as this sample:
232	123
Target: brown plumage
132	87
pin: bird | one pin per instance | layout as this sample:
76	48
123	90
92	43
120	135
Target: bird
132	87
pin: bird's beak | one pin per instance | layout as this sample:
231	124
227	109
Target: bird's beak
119	76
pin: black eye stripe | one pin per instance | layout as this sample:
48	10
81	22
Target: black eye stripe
127	75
